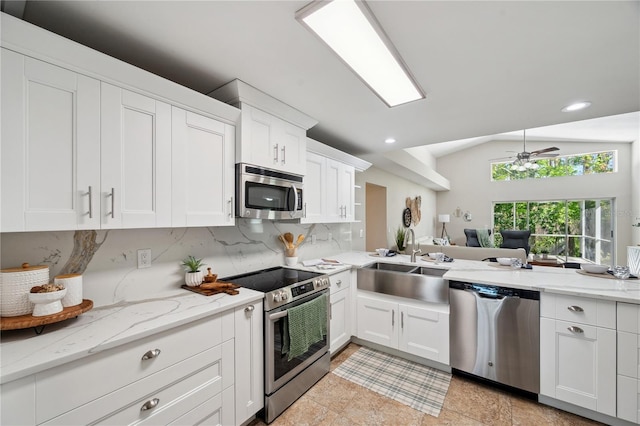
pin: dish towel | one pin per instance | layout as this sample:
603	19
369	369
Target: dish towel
307	325
483	238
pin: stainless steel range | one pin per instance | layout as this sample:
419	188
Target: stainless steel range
288	377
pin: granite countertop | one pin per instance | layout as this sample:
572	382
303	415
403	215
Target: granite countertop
25	353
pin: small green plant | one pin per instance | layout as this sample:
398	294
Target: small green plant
401	236
191	264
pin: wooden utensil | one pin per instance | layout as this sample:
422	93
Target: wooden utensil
281	237
299	240
288	236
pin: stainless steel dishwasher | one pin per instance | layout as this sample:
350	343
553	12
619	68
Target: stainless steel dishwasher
495	333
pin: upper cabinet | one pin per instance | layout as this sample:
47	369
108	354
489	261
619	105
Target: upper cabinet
50	147
272	134
90	142
329	184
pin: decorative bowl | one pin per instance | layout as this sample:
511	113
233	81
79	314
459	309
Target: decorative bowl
382	252
47	303
505	261
593	268
434	256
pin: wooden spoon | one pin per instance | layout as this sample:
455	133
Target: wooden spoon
299	240
281	237
288	236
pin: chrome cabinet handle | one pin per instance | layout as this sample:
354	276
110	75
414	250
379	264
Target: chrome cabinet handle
330	312
304	212
149	405
575	308
151	354
284	153
339	283
275	153
402	320
113	203
249	309
393	318
230	202
575	329
90	194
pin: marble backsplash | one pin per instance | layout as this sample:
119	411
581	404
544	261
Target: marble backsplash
108	259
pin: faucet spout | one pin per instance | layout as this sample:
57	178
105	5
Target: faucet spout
413	246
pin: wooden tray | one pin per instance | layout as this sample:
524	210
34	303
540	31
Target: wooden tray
27	321
211	292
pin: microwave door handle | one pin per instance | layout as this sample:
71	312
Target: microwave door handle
295	200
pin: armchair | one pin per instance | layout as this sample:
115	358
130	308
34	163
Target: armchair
472	237
516	239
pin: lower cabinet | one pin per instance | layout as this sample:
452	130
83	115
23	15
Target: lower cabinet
577	351
628	316
249	360
340	319
418	328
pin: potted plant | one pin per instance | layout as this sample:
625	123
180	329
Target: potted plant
194	276
401	236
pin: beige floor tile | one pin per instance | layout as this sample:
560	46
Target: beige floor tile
306	412
366	408
478	402
396	413
333	392
449	418
526	412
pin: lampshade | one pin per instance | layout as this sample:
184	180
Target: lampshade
445	218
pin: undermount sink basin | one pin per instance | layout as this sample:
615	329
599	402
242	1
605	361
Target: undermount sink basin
409	281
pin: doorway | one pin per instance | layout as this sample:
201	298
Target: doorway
375	216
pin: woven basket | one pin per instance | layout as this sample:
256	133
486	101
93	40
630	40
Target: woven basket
15	284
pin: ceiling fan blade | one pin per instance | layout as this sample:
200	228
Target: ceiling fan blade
502	158
540	151
544	155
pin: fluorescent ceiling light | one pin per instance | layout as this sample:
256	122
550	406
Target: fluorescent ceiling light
349	28
577	106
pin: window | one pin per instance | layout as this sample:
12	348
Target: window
570	230
569	165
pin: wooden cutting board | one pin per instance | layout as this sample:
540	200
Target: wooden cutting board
212	291
27	321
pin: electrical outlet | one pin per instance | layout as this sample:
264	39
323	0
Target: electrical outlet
313	238
144	258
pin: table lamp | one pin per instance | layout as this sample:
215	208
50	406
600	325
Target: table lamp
444	218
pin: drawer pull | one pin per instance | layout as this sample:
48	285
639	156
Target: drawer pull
575	329
150	405
151	354
249	308
575	308
339	283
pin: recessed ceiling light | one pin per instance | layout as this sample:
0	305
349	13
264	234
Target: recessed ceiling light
576	106
349	28
389	140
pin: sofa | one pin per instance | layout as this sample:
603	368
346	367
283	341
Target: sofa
473	253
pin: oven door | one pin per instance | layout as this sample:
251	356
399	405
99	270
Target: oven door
278	369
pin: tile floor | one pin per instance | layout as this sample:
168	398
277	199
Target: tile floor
335	401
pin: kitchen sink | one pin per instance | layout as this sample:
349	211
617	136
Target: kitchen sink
409	281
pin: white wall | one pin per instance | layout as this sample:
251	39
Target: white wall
472	189
635	191
398	189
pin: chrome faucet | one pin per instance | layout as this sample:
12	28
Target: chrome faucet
413	246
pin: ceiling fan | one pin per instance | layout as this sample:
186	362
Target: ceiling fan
525	160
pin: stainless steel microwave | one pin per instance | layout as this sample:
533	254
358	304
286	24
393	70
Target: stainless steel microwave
267	194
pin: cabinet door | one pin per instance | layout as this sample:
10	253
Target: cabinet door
347	191
628	354
50	146
377	321
291	141
136	160
18	401
340	332
249	382
424	332
256	138
333	189
202	170
575	366
628	397
314	202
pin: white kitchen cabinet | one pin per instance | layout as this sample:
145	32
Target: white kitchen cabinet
50	147
250	361
203	151
414	327
628	320
18	402
328	190
268	141
136	160
340	320
577	351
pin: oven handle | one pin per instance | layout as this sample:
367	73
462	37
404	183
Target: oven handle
277	315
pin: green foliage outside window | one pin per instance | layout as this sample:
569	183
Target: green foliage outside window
570	165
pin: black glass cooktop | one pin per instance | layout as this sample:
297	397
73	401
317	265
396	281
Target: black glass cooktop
271	279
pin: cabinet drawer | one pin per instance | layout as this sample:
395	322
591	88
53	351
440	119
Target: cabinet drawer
340	281
213	412
628	399
581	310
629	317
177	389
71	385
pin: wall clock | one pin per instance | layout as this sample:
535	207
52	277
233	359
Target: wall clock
406	217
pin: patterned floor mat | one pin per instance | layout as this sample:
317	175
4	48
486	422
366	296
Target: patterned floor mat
421	388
